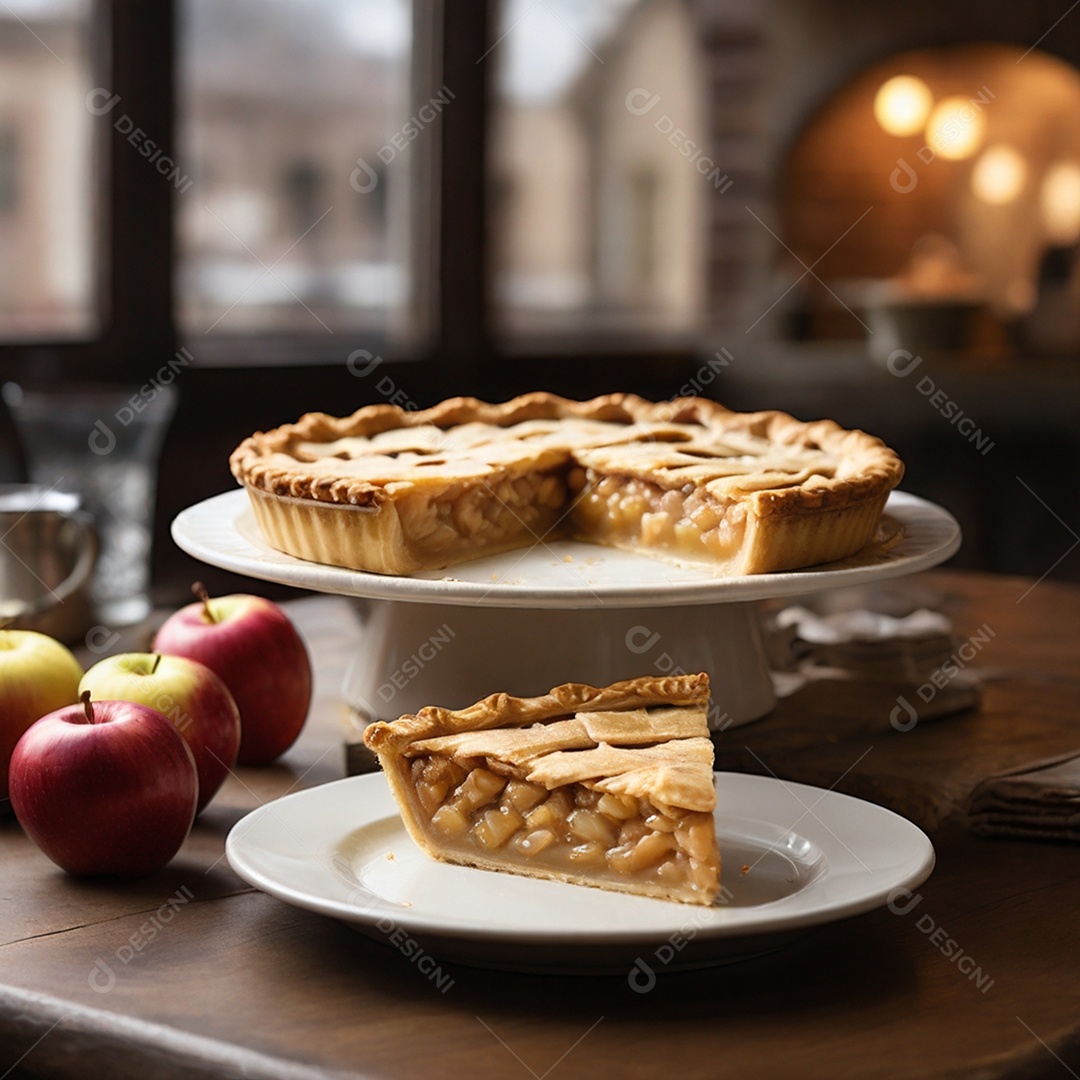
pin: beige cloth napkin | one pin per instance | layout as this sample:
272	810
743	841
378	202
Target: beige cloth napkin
886	666
868	642
1037	801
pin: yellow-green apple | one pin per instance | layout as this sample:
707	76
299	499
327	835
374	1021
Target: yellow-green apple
105	787
37	675
196	701
255	649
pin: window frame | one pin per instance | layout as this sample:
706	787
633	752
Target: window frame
456	350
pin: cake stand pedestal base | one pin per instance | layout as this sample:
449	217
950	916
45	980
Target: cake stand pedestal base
449	655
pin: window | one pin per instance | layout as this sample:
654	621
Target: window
281	182
297	217
604	226
48	189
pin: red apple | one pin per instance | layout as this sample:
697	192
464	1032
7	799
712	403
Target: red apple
107	787
37	675
251	644
193	698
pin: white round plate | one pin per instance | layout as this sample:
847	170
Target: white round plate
222	531
813	857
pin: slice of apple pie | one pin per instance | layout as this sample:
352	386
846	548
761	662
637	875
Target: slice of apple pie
610	787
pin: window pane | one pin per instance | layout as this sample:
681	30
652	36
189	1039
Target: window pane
600	199
291	120
47	188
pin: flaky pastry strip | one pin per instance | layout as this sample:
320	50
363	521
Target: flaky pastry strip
521	744
505	710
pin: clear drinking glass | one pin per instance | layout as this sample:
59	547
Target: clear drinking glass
102	443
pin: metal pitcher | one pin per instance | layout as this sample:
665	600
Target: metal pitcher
48	548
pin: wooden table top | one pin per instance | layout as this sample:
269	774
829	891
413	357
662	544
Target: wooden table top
227	981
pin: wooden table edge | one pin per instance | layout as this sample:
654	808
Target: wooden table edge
62	1039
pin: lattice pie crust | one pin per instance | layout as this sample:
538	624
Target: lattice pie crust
393	492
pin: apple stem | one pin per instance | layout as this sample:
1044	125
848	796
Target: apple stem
84	697
157	660
199	589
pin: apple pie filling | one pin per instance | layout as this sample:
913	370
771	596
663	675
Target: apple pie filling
626	511
488	515
479	808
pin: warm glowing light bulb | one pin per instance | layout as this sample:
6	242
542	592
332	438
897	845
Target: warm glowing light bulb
999	175
1060	201
956	128
902	104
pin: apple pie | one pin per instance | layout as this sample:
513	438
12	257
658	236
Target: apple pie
610	787
393	491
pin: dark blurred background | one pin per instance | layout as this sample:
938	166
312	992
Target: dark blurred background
830	207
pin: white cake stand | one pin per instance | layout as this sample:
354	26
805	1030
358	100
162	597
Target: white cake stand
527	620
